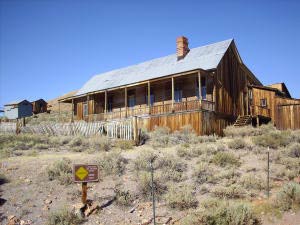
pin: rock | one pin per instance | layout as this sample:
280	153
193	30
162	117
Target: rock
46	208
27	181
13	220
48	201
79	209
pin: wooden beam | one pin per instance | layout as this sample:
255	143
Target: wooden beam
214	92
199	83
105	101
125	101
149	97
72	118
172	93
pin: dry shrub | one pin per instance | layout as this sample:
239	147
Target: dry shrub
160	137
3	179
295	135
125	144
172	167
78	141
123	197
145	184
64	217
294	150
185	135
288	196
252	181
237	143
231	131
180	197
232	191
142	161
203	173
112	163
207	138
100	143
225	159
61	170
274	139
218	212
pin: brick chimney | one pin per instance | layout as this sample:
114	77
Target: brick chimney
182	47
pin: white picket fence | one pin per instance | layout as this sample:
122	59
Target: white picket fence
122	129
7	127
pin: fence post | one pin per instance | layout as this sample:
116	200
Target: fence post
152	189
268	173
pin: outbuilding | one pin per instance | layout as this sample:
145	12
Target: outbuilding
18	109
39	106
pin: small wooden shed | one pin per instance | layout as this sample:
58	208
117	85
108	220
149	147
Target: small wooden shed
18	109
39	106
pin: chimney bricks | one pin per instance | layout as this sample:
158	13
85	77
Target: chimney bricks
182	47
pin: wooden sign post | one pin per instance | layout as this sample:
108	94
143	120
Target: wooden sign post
84	173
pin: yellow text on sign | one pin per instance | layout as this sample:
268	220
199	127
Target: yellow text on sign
81	173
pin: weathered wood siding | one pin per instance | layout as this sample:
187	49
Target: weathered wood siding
202	122
231	81
288	117
257	109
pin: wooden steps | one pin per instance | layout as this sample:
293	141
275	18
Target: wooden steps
243	121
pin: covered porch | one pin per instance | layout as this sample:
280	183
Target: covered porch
165	95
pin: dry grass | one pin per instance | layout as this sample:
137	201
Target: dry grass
181	197
64	216
61	170
112	163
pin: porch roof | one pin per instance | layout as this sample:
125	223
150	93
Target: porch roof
204	57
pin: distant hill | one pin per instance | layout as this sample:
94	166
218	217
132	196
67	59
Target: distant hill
64	107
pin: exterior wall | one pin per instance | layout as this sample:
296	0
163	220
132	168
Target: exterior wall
25	109
232	81
288	117
202	122
11	112
269	110
39	106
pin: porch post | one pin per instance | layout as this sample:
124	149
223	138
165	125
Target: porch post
149	97
126	102
199	84
105	101
214	93
72	118
172	93
88	107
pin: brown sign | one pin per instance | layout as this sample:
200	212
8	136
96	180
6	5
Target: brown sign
86	173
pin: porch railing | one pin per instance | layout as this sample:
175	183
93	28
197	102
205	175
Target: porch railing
162	108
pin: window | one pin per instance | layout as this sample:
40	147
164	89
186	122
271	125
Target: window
178	95
263	102
151	99
110	104
85	109
131	101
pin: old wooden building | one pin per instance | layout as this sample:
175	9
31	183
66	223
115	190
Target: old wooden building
17	109
39	106
208	87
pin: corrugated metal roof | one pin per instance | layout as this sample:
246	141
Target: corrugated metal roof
204	57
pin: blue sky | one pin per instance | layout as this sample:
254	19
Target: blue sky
50	47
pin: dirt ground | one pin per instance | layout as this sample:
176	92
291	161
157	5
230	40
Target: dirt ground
28	193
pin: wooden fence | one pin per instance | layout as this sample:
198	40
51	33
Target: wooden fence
122	129
288	116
